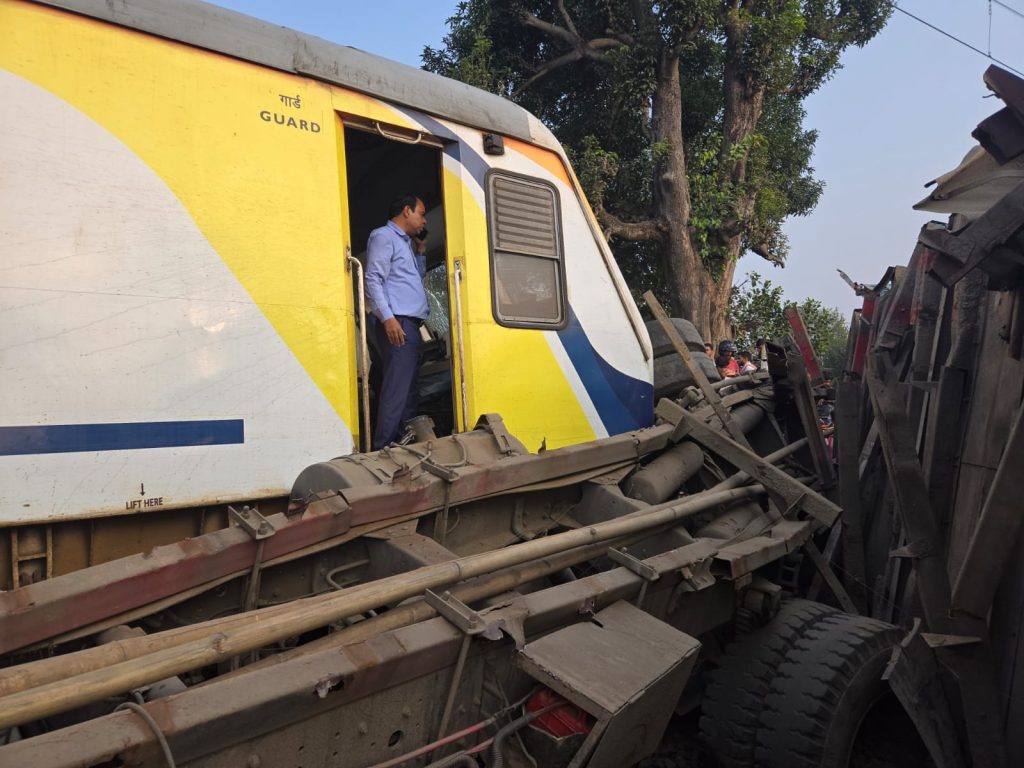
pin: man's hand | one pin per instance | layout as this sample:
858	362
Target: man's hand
395	334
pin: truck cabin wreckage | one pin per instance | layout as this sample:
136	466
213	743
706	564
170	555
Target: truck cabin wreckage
709	572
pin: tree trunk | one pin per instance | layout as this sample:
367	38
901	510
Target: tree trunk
682	264
744	103
721	291
695	293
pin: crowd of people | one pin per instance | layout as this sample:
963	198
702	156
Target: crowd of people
730	360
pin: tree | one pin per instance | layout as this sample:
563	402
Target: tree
757	309
683	118
828	331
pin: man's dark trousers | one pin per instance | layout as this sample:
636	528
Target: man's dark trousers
398	396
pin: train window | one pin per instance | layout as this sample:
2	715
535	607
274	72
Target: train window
526	252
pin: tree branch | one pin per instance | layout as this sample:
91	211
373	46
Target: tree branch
627	230
764	250
567	18
552	29
802	84
595	50
568	58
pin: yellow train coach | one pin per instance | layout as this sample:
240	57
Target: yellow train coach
185	199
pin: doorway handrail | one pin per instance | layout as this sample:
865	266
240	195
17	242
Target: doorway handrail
460	353
398	137
364	350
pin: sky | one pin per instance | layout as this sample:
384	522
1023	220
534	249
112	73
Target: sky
899	113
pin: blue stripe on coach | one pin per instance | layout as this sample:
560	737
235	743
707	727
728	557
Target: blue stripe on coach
74	438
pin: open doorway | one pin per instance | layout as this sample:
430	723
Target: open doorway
378	169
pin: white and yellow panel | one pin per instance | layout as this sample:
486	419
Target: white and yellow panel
175	323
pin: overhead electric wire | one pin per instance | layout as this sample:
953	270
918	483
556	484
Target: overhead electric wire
1009	8
958	40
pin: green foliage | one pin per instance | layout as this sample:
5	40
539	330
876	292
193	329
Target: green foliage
467	55
828	331
595	167
744	173
757	309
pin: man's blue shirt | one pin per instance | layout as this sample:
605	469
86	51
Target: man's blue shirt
394	275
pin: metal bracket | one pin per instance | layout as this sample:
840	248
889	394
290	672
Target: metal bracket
255	524
586	608
944	641
259	528
915	550
446	474
461	615
696	576
519	521
493	423
794	506
682	429
639	567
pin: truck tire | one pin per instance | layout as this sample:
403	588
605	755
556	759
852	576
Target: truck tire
734	699
671	375
659	339
822	691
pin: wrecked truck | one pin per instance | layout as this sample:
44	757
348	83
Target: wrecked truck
460	600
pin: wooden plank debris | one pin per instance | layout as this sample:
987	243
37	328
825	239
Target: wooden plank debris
961	253
847	401
825	570
970	664
710	394
913	675
805	406
996	533
790	494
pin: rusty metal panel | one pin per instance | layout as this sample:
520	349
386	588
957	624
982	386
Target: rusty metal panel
995	387
744	557
207	719
995	534
49	608
625	668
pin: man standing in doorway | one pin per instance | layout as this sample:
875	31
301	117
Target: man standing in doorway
394	289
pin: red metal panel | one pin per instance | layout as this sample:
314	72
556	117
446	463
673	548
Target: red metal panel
860	349
803	343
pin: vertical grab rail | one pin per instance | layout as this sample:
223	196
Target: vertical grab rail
458	335
364	351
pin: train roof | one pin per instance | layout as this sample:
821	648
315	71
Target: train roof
243	37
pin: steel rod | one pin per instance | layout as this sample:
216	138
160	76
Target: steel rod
305	615
43	671
738	479
479	588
